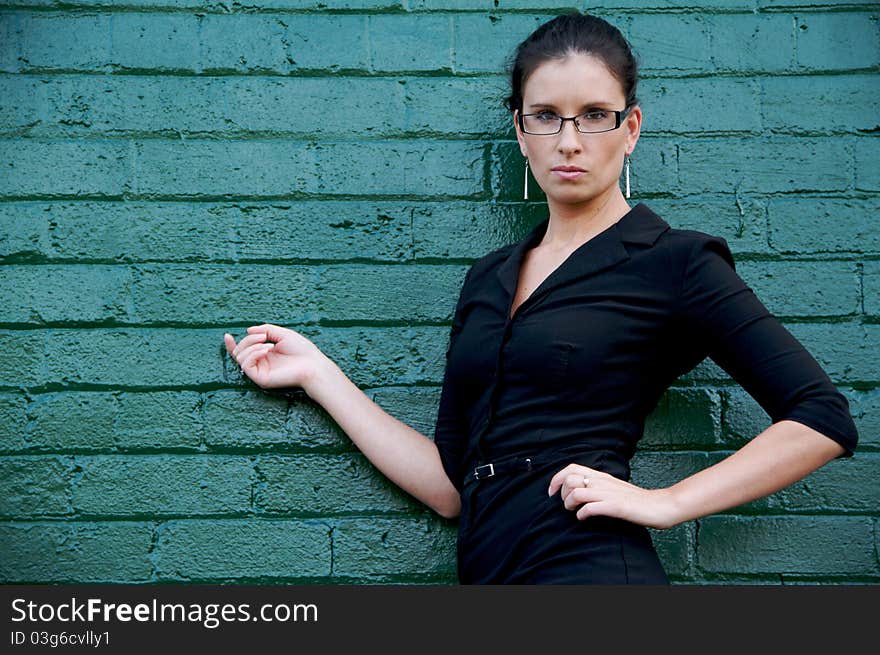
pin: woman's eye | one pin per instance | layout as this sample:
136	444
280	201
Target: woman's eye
547	116
596	115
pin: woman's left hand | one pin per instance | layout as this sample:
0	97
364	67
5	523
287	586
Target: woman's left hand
606	495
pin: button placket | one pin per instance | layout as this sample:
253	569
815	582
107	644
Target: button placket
493	396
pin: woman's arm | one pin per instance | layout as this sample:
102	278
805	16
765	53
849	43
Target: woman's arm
811	423
277	357
781	455
407	457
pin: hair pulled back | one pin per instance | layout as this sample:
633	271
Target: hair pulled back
573	33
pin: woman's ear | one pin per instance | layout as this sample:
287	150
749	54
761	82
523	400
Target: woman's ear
519	137
633	126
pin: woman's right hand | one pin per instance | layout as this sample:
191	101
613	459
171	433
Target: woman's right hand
273	356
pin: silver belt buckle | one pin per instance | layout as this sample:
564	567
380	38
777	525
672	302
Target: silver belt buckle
491	472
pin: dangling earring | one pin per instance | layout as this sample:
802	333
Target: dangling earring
526	182
627	176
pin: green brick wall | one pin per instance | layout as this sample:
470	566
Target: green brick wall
167	174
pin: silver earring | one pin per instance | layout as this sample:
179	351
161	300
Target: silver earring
526	182
627	176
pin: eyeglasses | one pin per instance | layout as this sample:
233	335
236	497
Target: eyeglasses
595	120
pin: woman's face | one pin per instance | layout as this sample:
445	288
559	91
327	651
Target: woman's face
569	87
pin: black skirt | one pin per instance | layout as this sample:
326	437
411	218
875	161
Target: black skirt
512	532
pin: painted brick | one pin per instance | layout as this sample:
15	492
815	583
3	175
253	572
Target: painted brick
457	106
59	168
73	420
675	548
160	485
742	419
276	168
251	549
468	229
411	43
254	419
871	283
683	418
415	406
240	43
818	104
131	105
661	470
10	43
807	225
804	288
845	351
155	41
848	485
22	363
64	42
162	293
242	418
781	5
741	220
669	42
829	41
323	484
765	165
314	43
815	544
168	231
865	409
867	164
407	546
75	552
751	42
483	43
83	421
141	356
13	422
687	106
34	486
23	239
158	420
87	294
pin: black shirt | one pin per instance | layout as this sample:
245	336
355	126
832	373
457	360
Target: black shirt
588	355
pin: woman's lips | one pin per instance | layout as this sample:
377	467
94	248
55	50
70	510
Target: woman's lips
569	175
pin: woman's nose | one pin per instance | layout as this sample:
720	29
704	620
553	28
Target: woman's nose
569	137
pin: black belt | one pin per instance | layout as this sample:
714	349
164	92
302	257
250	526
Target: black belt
488	470
524	462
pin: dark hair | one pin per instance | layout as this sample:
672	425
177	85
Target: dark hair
570	33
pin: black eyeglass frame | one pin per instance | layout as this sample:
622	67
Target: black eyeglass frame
619	115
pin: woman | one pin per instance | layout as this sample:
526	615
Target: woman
563	343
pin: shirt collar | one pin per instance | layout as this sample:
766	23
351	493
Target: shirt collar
639	225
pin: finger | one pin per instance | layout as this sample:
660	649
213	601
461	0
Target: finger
247	342
572	469
572	481
243	354
580	496
229	341
593	509
274	332
559	478
255	354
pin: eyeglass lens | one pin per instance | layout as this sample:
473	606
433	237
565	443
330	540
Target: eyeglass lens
546	122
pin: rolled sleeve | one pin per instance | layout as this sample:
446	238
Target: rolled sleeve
725	319
450	431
